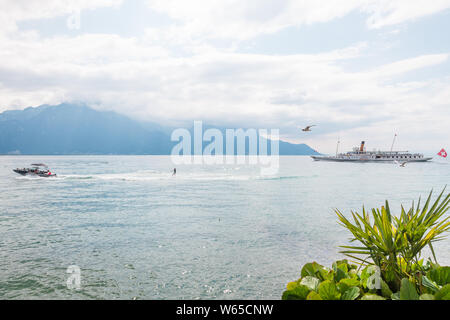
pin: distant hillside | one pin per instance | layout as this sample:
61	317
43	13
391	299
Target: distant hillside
75	129
69	129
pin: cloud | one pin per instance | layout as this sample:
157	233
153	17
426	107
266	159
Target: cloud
133	77
178	73
386	12
245	19
13	11
241	20
411	64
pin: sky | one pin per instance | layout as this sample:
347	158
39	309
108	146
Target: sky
357	69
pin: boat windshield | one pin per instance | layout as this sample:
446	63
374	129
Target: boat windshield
39	165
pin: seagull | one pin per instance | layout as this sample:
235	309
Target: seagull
403	164
308	128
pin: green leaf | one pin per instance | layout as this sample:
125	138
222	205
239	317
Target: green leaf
385	290
292	285
343	261
345	284
350	282
353	273
444	293
408	290
365	275
311	269
342	265
311	282
329	291
326	274
340	274
395	296
429	284
298	293
369	296
440	275
352	293
426	296
313	296
389	275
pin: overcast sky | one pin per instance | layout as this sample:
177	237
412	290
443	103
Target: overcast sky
358	69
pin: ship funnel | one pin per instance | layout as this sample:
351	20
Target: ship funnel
362	146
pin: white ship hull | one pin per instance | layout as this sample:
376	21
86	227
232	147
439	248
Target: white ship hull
359	154
339	159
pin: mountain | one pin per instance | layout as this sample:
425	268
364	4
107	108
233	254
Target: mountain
79	129
73	129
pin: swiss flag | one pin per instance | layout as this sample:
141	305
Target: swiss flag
443	153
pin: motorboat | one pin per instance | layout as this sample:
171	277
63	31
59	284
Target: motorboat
37	169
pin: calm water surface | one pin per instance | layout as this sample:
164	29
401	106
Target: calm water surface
211	232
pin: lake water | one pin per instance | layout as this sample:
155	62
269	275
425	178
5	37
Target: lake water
211	232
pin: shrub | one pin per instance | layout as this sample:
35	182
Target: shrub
389	254
346	281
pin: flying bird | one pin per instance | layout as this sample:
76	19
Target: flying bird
308	128
403	164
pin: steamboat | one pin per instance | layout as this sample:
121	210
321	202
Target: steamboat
359	154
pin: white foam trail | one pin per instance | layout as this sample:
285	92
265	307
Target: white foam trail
151	175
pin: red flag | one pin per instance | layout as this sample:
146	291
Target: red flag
442	153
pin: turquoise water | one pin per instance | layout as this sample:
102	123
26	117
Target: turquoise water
211	232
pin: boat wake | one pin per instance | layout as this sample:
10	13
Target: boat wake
151	175
287	177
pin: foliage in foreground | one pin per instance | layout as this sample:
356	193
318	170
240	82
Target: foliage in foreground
345	282
389	253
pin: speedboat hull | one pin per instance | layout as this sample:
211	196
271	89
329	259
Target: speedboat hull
26	172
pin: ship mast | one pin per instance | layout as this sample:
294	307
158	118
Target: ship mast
337	146
393	141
